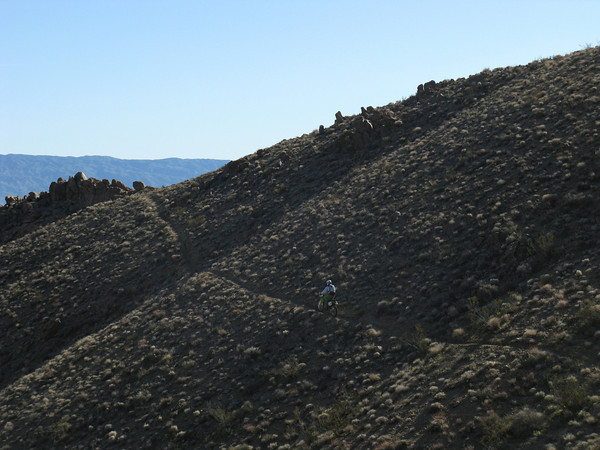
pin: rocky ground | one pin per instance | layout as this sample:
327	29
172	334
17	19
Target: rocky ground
460	226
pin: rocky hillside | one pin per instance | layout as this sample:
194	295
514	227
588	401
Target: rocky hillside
460	226
22	215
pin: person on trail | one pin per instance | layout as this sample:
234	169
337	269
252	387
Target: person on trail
328	293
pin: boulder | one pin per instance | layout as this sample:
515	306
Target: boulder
139	185
118	184
80	176
10	200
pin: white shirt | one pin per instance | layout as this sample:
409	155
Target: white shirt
328	289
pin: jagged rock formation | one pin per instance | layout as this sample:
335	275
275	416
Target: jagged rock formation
357	133
21	215
426	88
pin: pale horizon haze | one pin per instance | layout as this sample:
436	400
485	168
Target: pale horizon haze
155	79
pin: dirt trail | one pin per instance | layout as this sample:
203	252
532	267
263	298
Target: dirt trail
348	317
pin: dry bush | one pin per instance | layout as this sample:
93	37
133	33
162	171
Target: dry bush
494	430
587	319
525	422
287	370
570	393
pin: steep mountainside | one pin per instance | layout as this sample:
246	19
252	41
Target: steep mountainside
22	174
460	226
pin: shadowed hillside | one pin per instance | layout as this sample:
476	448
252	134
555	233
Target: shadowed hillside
459	225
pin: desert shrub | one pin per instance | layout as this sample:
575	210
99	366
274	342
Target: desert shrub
537	358
252	352
196	222
486	316
140	398
542	248
533	96
287	370
587	319
386	307
451	175
280	188
188	364
179	211
570	393
458	334
525	422
60	429
579	200
336	417
224	419
418	340
494	429
333	419
304	430
15	291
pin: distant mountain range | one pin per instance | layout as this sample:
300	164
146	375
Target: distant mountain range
22	174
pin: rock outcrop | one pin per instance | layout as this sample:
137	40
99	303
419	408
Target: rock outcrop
360	131
21	215
426	88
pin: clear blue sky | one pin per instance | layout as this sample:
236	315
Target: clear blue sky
148	79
